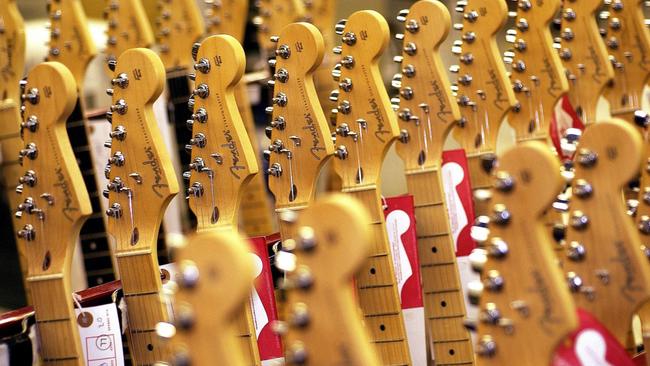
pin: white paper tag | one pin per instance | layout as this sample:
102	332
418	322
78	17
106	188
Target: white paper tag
4	355
254	90
453	175
168	274
591	348
101	339
260	318
397	223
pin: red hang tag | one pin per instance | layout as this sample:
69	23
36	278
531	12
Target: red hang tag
263	302
591	345
563	118
400	224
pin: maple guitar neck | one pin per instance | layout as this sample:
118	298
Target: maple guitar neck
443	293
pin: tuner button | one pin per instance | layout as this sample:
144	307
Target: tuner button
488	162
617	5
275	170
410	48
399	36
615	24
641	118
29	178
398	59
107	171
574	281
579	220
494	281
524	5
339	28
280	99
200	116
345	107
412	26
522	25
471	17
195	190
474	292
268	131
297	354
465	80
467	58
498	248
195	50
341	152
110	92
307	238
477	259
112	64
576	251
401	16
30	151
184	316
565	54
119	133
279	123
504	182
304	279
115	211
272	62
349	39
27	232
299	315
283	51
346	85
197	164
348	62
408	71
587	158
19	189
406	93
282	75
334	95
486	346
187	175
569	14
203	65
644	225
274	39
202	91
120	107
582	189
32	96
404	136
490	314
199	140
405	114
612	43
500	214
122	81
519	66
117	159
567	34
189	274
337	50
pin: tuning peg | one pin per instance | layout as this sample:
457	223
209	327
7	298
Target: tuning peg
341	152
488	162
112	64
479	231
30	151
275	170
482	195
339	28
474	292
108	144
120	107
271	62
274	39
202	90
110	92
195	50
396	82
399	36
336	72
32	96
27	232
337	50
486	346
579	220
477	259
268	131
334	95
500	214
404	136
115	211
401	16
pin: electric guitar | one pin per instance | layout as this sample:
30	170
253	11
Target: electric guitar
72	45
300	140
179	25
208	300
484	93
323	326
54	205
522	296
584	56
425	95
255	207
141	182
12	64
602	259
223	159
128	27
366	127
537	73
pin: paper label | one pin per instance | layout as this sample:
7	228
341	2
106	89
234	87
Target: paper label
564	117
101	340
591	345
400	225
263	303
458	196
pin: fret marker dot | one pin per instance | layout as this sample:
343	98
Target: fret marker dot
382	327
452	352
443	303
434	249
372	271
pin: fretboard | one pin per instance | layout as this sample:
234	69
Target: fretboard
444	303
142	289
377	287
94	243
56	321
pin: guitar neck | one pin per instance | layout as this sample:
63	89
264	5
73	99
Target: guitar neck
94	241
444	303
377	288
142	288
60	343
255	207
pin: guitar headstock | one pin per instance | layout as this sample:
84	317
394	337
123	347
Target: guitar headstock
628	42
521	294
226	17
425	91
584	56
273	16
70	41
321	13
485	94
603	257
12	50
128	27
300	138
208	298
223	158
141	179
320	303
179	25
537	73
366	125
54	200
